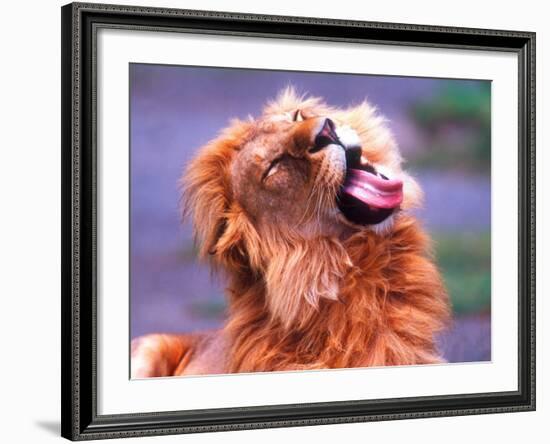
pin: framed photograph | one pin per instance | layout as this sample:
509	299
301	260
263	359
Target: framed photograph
281	221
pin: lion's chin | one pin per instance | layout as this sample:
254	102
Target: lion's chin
360	213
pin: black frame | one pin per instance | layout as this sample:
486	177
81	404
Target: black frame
79	418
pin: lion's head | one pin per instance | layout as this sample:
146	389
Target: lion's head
277	196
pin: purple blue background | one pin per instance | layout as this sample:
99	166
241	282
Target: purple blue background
441	125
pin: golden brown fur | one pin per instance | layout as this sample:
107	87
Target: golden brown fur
306	288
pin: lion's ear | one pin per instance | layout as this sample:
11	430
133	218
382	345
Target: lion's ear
206	187
239	245
205	197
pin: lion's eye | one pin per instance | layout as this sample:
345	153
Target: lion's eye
298	116
272	168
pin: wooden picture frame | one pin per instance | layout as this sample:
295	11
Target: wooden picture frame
80	418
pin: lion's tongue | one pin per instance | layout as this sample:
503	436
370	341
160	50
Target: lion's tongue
373	190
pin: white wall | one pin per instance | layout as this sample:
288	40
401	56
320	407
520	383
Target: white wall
30	218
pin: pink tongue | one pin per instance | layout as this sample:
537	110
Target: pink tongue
373	190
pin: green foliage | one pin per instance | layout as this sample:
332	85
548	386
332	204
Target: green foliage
456	125
213	308
465	261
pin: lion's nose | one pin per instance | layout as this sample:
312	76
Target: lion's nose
326	135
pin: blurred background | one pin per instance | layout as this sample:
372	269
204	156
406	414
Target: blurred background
442	126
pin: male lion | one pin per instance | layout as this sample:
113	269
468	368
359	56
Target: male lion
305	212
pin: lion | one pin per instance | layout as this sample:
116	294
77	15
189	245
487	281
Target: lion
306	212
